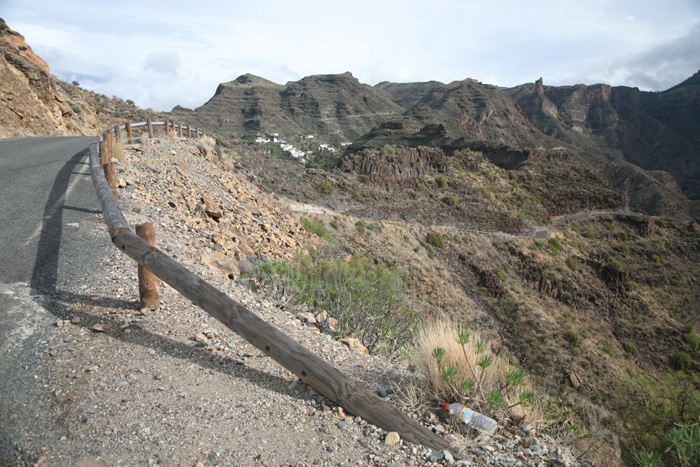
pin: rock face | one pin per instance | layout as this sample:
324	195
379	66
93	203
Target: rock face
538	106
404	163
31	102
655	131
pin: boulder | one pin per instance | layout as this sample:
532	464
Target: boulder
354	344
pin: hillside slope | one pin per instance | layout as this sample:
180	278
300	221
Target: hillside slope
544	256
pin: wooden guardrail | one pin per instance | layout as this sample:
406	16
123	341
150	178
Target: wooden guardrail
310	368
106	142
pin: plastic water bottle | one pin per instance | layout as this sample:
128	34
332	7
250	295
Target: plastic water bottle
472	418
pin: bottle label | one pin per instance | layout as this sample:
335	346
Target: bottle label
463	411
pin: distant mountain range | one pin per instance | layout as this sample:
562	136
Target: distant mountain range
634	139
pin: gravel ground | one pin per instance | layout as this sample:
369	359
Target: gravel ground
175	387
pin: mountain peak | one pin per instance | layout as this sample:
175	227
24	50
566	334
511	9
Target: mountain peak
692	81
252	79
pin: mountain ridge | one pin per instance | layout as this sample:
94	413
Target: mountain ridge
637	133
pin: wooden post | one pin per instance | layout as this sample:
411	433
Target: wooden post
118	131
110	143
167	124
103	151
179	129
150	128
189	131
128	133
149	294
109	167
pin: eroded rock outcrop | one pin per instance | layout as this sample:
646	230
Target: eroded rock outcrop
31	101
402	163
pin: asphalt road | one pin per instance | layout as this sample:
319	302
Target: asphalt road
46	193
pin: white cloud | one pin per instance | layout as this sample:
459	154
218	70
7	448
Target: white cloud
164	63
655	68
161	54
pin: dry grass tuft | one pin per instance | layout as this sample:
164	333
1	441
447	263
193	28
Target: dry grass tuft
489	387
171	133
119	148
208	142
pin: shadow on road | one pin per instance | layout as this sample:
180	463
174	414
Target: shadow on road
64	304
45	272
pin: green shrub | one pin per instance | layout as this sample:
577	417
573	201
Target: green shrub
572	263
662	415
647	459
364	179
499	272
449	200
616	263
488	175
356	194
325	187
587	234
554	245
316	228
574	228
609	350
660	222
609	226
485	191
441	182
655	259
435	239
692	339
375	227
420	187
366	298
572	337
360	226
389	149
680	361
335	224
630	348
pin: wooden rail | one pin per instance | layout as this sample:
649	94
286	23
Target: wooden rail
310	368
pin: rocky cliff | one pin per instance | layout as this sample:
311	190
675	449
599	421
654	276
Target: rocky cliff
655	131
401	162
31	102
35	103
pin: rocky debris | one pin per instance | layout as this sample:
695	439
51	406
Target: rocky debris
224	220
354	344
392	438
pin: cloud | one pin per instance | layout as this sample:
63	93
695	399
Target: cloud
164	63
506	42
655	68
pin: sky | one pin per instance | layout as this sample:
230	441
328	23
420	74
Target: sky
161	54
